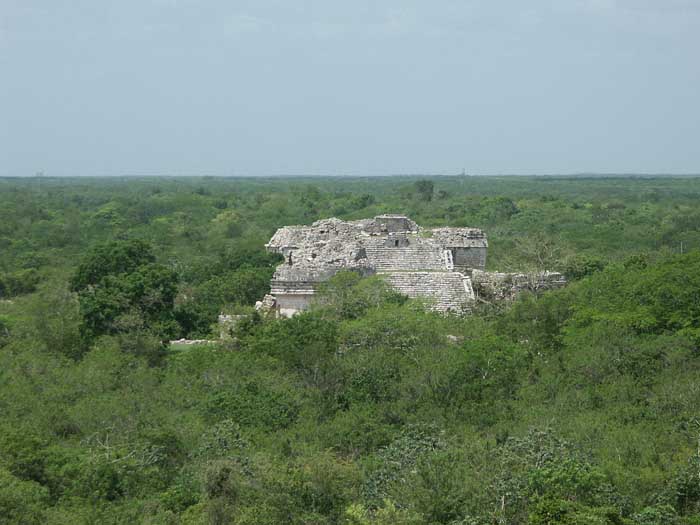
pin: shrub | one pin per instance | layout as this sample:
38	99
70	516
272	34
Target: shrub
252	404
21	501
19	282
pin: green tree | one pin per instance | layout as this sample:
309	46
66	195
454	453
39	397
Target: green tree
122	290
580	266
21	502
111	258
55	314
424	189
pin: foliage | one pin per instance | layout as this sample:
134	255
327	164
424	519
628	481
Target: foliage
348	296
19	282
424	189
121	289
4	331
21	501
577	406
252	405
111	258
578	267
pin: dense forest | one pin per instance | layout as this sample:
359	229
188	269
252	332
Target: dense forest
576	406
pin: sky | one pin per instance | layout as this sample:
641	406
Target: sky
361	87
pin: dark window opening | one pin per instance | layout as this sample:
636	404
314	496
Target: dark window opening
396	243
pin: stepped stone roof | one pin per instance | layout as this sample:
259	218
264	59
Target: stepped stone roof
460	237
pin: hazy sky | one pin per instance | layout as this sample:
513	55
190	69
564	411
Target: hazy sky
98	87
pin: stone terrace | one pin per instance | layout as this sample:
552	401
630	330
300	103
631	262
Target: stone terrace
445	291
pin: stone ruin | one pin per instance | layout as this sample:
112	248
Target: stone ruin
498	286
444	266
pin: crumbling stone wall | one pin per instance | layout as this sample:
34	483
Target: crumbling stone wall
498	286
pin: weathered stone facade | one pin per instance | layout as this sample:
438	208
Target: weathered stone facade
434	264
497	286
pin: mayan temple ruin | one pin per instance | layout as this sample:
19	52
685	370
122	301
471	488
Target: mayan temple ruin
444	266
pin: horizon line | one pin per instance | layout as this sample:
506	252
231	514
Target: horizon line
42	175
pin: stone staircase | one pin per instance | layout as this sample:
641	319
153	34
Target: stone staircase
418	255
448	291
449	260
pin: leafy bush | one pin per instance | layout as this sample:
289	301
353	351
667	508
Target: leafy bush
19	282
541	467
4	330
252	404
657	515
21	501
348	296
392	462
580	266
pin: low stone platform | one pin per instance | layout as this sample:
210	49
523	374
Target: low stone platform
444	291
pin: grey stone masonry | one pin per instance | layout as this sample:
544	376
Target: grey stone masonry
414	253
498	286
436	264
444	291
